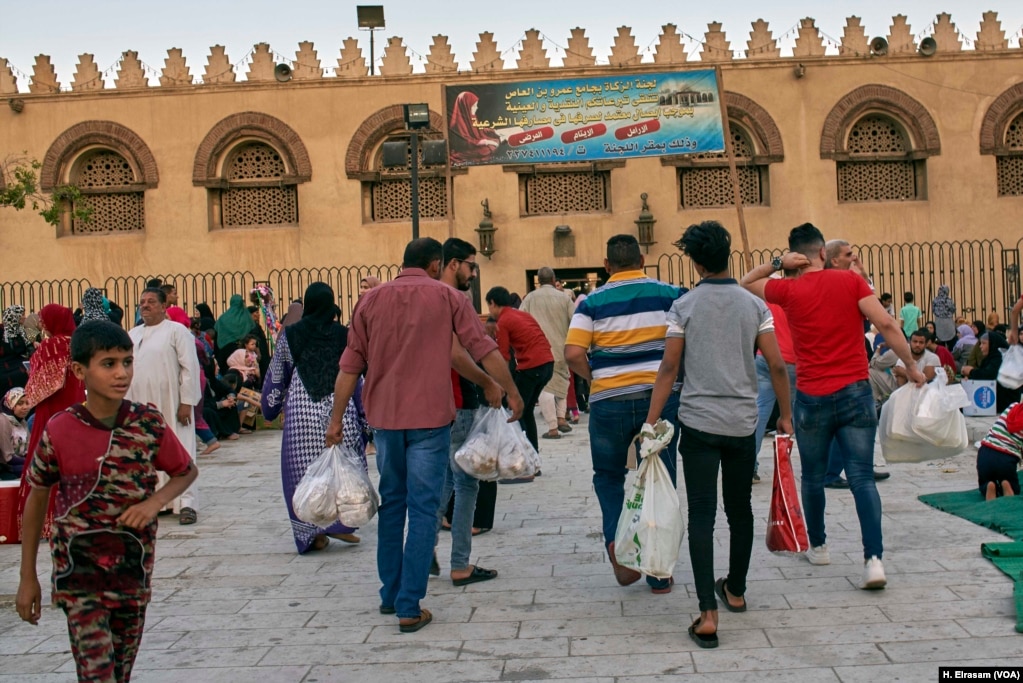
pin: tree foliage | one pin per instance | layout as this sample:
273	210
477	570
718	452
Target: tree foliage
20	190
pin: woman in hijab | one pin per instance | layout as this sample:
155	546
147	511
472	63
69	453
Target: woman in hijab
964	345
231	328
14	350
293	315
469	143
944	310
92	306
207	321
301	382
13	434
51	388
367	283
992	344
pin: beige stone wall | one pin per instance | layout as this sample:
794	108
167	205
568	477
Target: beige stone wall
955	87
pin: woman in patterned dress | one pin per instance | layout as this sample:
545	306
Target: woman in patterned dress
300	381
51	388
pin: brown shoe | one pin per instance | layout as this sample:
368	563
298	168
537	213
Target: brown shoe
623	575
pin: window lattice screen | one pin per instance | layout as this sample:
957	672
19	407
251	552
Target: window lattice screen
392	199
876	135
256	161
742	148
1010	176
875	181
566	192
260	205
115	211
112	212
707	187
1014	134
103	169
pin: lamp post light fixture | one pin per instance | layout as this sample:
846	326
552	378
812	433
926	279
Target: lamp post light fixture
645	225
417	116
486	231
370	17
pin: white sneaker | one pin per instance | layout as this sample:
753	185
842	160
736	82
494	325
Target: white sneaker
818	555
873	575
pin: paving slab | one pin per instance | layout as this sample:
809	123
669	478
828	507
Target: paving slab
233	602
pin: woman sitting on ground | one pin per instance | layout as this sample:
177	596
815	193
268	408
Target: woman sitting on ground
1000	453
246	362
992	344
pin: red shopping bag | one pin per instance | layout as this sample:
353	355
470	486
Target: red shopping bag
786	529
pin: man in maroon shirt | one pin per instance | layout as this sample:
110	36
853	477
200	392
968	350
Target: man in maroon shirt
518	332
400	334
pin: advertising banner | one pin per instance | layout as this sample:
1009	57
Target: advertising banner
584	119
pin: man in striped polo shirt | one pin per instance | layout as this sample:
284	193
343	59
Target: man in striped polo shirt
616	341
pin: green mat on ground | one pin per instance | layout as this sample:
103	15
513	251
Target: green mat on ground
1004	515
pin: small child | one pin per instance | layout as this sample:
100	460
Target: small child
999	455
103	456
14	432
246	361
910	315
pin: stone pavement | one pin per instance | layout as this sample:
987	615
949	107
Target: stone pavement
233	602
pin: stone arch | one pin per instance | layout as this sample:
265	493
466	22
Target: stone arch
756	120
376	127
883	99
97	133
1001	112
250	126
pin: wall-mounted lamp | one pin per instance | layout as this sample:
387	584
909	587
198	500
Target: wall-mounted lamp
564	242
645	225
486	231
799	71
16	104
562	230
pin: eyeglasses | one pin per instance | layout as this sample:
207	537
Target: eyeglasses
473	266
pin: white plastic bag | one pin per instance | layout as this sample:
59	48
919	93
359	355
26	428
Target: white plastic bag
650	527
902	405
496	448
335	488
937	418
898	412
1010	374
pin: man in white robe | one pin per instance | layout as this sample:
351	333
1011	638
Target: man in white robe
167	376
553	310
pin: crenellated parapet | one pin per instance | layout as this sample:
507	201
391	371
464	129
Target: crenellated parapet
531	52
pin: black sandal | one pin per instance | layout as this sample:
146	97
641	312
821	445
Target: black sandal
412	626
187	516
478	574
704	640
719	588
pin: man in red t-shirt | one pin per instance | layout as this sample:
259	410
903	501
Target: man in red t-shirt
825	311
518	332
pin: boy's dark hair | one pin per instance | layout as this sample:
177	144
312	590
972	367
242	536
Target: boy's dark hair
155	282
908	297
806	239
922	332
981	327
252	309
623	252
708	244
160	294
886	297
98	335
456	249
499	296
168	288
420	253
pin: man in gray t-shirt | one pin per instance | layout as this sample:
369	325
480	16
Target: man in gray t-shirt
719	326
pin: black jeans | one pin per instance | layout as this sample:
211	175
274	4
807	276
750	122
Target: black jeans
702	453
996	466
530	383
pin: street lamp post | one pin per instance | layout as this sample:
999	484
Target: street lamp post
417	116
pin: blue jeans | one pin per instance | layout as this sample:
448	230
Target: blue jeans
613	425
465	487
835	458
766	399
848	417
411	464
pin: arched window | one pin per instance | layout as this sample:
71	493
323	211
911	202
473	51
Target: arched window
880	139
880	166
256	192
112	167
1010	160
705	181
251	165
1001	134
110	189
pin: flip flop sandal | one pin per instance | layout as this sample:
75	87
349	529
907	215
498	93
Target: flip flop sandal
478	574
412	626
663	589
704	640
719	588
346	538
187	516
319	543
479	532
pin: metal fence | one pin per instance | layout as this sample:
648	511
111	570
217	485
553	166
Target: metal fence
289	284
983	275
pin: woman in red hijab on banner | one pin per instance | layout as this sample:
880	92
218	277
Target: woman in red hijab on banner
52	388
470	144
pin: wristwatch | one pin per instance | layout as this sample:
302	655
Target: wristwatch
776	263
